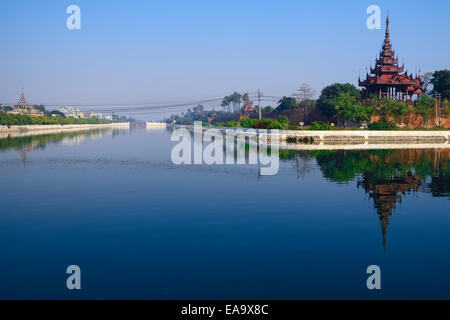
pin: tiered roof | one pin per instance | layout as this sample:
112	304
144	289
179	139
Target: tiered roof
387	72
248	107
22	101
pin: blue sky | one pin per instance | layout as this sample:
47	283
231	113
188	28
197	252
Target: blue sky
170	51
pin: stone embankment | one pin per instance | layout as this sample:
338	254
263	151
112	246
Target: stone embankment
27	130
347	136
397	136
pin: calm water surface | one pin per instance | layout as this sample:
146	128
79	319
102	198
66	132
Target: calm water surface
140	227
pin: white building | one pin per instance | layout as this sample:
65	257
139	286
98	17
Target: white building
73	112
95	115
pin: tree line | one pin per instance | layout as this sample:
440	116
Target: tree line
8	119
338	102
342	103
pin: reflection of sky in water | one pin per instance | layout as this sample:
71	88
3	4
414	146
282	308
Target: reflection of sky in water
140	227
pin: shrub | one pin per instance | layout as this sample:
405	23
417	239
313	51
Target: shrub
263	124
284	119
320	125
248	123
229	124
270	124
382	125
255	124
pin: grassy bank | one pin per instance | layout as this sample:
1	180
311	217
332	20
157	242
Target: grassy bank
283	124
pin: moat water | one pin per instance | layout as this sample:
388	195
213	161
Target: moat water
113	203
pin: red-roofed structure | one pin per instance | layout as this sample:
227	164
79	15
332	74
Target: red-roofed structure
387	79
248	107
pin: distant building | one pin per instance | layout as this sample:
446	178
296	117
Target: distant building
248	109
212	115
72	112
155	124
108	118
95	115
24	108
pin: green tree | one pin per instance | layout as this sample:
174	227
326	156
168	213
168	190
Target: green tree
284	120
268	109
445	107
287	103
441	83
385	108
425	106
236	99
57	113
347	108
40	108
17	119
226	104
245	97
330	93
401	109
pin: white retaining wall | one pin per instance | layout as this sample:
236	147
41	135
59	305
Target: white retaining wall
339	135
6	131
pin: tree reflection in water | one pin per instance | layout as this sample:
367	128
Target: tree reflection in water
27	144
385	175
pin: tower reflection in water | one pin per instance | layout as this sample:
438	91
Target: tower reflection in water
385	175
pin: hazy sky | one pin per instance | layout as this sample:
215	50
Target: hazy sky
171	51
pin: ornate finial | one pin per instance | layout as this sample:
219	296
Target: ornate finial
387	26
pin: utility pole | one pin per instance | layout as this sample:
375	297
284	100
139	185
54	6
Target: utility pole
440	109
438	97
436	122
259	103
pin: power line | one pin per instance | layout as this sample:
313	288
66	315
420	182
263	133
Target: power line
151	107
259	104
147	105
